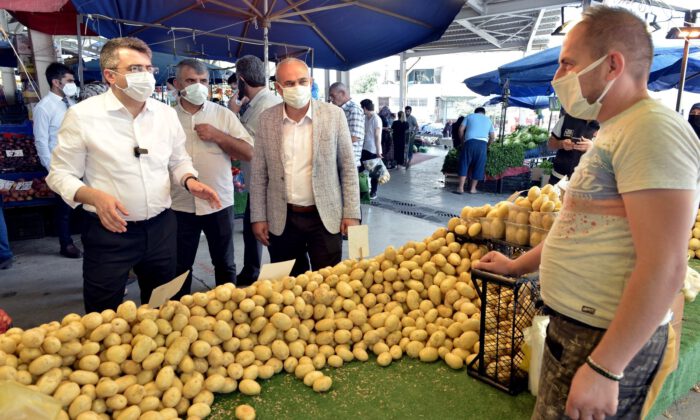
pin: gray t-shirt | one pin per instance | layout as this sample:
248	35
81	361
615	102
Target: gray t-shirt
589	254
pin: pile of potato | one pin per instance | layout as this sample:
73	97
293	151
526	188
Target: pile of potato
145	363
694	242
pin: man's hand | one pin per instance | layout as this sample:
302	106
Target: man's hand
207	132
204	192
583	145
591	395
346	223
567	144
109	210
260	230
235	105
494	262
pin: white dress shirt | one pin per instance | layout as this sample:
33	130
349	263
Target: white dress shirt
297	142
96	143
47	117
210	160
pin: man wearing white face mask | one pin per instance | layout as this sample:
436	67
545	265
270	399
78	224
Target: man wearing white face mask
606	282
48	116
214	137
118	153
304	190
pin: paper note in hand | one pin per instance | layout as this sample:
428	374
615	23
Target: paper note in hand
274	271
358	241
163	293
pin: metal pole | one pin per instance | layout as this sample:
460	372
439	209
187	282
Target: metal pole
80	50
402	80
266	28
684	67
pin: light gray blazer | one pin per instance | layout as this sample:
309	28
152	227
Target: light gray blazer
333	178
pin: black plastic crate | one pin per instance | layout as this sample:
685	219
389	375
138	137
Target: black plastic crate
507	308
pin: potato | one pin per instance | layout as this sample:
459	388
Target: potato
142	348
454	361
250	387
106	388
134	394
131	413
171	397
384	359
33	338
66	393
44	363
322	384
149	403
200	410
214	383
245	412
428	354
83	377
80	404
165	377
193	386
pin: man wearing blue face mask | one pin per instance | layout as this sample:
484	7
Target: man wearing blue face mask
214	137
304	190
606	282
118	154
48	116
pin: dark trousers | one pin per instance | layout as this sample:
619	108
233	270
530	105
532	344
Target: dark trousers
62	217
252	252
148	247
373	182
305	238
218	228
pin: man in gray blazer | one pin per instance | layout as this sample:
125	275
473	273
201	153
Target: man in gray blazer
304	189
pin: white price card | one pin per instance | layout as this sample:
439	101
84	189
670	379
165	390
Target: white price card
274	271
23	186
163	293
14	153
358	241
6	184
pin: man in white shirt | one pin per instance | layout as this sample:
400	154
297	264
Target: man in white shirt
118	154
605	280
214	137
372	144
48	116
250	79
304	190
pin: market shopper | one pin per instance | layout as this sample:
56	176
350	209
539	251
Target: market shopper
571	138
116	154
250	74
48	116
694	118
476	133
5	252
372	143
304	190
398	136
214	136
605	280
412	131
339	95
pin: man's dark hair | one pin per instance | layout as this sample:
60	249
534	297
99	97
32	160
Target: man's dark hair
252	70
232	79
408	108
56	71
170	80
480	110
367	104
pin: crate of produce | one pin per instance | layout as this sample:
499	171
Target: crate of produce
18	153
507	308
27	188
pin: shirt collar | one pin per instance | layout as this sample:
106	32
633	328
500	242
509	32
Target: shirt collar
54	96
309	114
257	98
112	103
204	108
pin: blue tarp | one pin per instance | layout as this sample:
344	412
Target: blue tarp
343	34
669	77
532	75
532	102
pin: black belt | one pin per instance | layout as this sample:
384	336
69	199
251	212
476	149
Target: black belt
133	223
546	310
301	209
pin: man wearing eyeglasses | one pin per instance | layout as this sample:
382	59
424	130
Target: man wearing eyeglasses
304	191
214	137
117	154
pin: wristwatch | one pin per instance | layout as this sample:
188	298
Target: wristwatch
184	183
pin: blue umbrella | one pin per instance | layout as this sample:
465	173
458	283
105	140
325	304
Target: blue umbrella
332	34
485	84
532	102
669	77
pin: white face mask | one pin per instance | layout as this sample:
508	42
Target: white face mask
139	86
568	89
296	96
70	89
172	95
196	93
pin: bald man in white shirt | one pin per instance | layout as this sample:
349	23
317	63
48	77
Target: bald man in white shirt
117	154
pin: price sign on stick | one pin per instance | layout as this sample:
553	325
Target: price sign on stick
358	241
163	293
6	184
23	186
275	271
14	153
